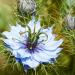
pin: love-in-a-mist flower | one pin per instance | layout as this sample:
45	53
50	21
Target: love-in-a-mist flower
32	45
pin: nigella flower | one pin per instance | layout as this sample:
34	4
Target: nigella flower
32	45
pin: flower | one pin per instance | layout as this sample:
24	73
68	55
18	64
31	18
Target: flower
32	45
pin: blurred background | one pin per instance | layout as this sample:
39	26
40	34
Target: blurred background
60	14
6	7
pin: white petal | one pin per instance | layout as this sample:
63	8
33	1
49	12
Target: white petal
16	36
41	57
31	63
15	53
15	32
48	40
11	35
53	44
53	54
13	44
23	37
18	28
31	24
7	34
20	53
23	53
37	27
45	56
47	31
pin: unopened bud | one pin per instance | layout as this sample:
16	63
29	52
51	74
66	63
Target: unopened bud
26	6
70	21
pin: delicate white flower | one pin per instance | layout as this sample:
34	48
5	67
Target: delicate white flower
32	45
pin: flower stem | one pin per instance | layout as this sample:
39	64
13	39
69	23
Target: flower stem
35	71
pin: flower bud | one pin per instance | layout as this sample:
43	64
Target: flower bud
26	6
70	21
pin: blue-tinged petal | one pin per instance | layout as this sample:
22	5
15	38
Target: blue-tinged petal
13	44
16	32
45	56
41	57
44	37
37	26
47	31
18	60
26	67
7	34
23	38
11	35
15	53
23	53
18	28
23	56
52	45
31	63
31	24
52	54
14	36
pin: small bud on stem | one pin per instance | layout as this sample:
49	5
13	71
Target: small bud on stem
26	6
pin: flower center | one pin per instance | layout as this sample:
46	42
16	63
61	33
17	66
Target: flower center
31	46
32	40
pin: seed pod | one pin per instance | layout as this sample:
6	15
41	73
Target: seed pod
70	21
26	6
